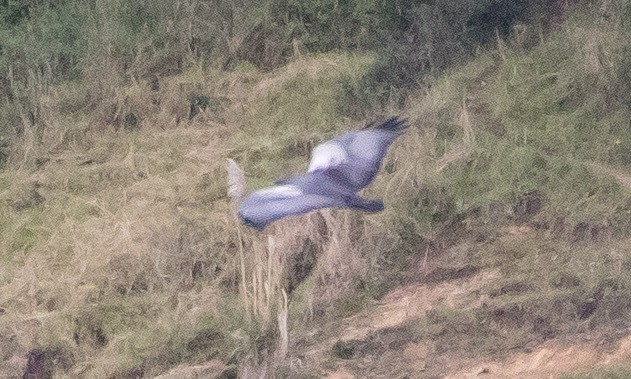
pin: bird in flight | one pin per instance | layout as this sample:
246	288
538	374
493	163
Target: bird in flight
339	168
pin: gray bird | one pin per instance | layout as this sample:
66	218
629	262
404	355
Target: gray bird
338	169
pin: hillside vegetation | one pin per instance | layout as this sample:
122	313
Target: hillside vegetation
120	253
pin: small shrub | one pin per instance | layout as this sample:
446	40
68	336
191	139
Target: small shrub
344	349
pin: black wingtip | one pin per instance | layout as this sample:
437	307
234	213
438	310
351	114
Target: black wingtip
393	124
258	226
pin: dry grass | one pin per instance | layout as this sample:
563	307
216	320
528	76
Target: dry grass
119	249
119	246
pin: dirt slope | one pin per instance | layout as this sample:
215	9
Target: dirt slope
383	346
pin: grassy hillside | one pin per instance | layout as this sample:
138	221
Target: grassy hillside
121	257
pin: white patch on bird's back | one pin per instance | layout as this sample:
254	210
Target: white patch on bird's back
284	191
326	155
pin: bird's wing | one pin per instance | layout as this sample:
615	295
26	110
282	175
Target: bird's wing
306	193
371	145
356	156
265	206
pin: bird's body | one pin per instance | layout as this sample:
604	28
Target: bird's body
339	168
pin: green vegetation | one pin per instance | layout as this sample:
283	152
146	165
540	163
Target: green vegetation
120	255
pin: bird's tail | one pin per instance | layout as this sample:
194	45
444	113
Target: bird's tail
364	204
